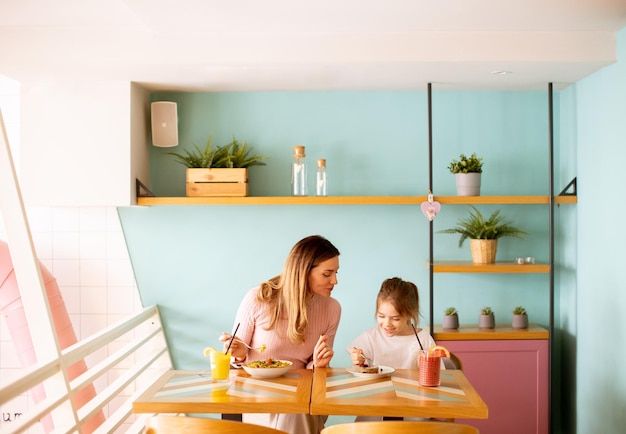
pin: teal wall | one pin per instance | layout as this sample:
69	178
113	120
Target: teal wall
597	320
196	262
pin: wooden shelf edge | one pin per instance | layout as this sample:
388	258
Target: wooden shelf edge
471	332
284	200
499	267
352	200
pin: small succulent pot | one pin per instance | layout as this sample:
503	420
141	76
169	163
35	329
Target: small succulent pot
450	318
520	321
487	321
520	318
450	322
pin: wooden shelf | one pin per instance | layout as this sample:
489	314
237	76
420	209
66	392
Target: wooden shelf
471	332
498	267
353	200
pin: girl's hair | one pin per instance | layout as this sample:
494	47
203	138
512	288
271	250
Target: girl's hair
289	291
402	295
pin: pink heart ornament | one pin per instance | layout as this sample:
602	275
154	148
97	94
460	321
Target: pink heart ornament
431	209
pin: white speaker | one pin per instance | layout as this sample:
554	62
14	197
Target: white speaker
164	124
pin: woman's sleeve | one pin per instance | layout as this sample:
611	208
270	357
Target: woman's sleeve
246	316
334	316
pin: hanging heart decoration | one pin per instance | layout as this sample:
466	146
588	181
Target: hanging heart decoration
430	208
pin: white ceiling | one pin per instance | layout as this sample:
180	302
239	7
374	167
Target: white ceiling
248	45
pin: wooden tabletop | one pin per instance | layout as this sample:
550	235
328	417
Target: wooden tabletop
337	392
195	392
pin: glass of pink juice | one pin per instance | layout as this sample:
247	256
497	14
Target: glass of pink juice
429	369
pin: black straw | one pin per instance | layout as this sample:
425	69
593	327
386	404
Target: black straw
233	338
418	339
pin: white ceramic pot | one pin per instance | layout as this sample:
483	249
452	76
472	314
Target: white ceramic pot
467	184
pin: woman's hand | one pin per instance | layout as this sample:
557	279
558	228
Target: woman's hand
237	350
356	354
322	353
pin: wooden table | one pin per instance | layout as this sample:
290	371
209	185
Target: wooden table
195	392
337	392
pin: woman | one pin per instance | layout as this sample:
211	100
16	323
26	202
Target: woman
295	317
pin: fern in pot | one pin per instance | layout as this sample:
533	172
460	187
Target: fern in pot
484	233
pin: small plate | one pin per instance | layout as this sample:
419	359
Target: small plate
383	371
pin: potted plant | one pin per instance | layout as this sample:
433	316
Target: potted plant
484	234
487	319
467	171
218	170
520	318
450	318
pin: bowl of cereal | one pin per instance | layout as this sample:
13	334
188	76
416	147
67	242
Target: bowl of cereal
269	368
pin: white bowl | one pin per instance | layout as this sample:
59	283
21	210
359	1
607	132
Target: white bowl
268	372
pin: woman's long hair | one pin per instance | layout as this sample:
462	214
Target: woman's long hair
288	292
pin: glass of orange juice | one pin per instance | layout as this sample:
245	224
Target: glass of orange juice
220	366
429	369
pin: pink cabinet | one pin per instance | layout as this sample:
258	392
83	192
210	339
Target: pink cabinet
511	375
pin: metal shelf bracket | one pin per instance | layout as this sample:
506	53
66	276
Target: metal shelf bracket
571	185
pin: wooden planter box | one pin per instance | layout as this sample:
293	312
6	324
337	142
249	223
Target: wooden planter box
217	182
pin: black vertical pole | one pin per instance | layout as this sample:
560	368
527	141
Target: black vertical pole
551	213
430	190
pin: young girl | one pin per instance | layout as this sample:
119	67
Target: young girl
394	341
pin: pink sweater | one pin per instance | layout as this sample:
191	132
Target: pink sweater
323	315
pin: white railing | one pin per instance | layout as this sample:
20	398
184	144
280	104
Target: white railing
141	357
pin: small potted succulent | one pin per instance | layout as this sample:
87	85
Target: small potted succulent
487	319
467	171
450	318
520	318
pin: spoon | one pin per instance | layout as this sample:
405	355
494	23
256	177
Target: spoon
367	359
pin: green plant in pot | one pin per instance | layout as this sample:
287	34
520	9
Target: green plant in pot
484	233
487	319
218	170
234	155
520	318
450	318
468	173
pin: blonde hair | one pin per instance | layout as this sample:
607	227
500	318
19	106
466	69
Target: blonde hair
288	292
402	295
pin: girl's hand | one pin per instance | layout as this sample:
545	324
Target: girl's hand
322	353
237	350
356	354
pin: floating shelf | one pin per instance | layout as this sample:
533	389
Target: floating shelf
353	200
498	267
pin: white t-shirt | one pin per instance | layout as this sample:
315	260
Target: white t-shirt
399	352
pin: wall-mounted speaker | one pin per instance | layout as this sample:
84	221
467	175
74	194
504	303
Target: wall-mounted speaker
164	124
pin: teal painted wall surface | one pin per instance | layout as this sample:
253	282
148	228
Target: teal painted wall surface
196	262
601	297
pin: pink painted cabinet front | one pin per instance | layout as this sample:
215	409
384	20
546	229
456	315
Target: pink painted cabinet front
512	378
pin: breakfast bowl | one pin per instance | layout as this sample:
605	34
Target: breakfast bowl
267	368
